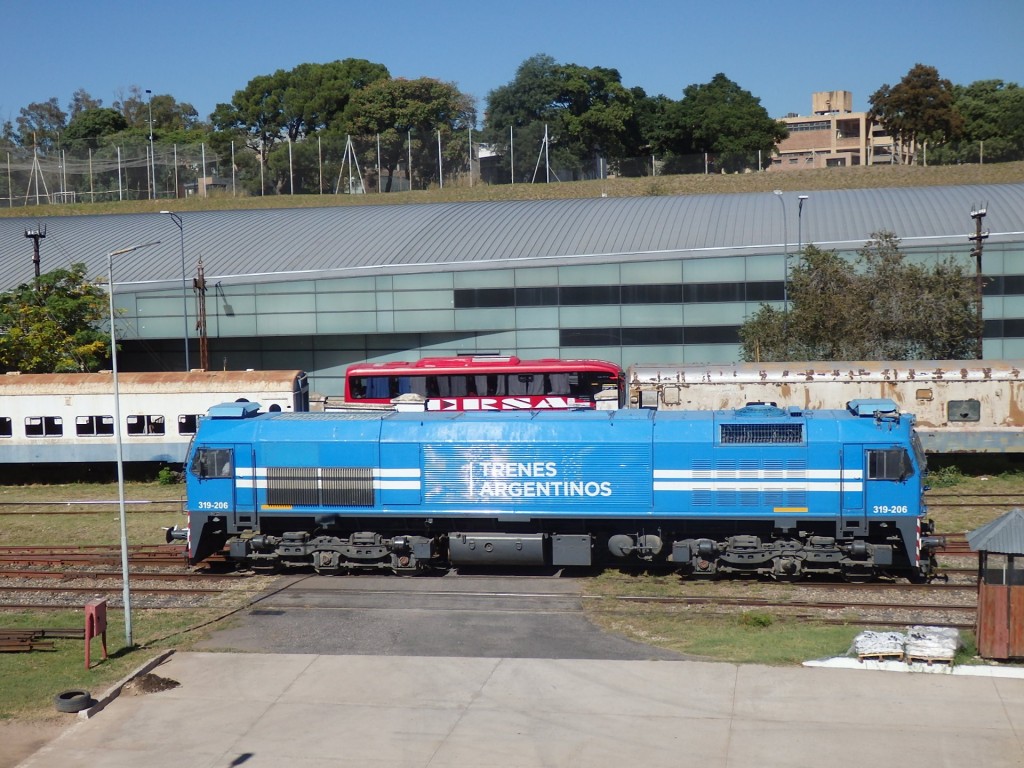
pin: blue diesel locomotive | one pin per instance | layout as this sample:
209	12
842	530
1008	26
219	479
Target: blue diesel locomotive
758	490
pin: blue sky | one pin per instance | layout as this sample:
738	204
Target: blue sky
782	51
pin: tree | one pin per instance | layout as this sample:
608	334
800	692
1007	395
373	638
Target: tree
291	105
875	307
721	119
394	110
993	130
50	326
586	111
918	109
81	100
89	126
40	125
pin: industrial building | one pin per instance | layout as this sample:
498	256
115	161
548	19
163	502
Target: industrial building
648	279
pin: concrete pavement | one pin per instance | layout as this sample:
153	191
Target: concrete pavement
306	710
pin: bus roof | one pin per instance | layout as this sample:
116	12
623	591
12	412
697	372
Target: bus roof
481	364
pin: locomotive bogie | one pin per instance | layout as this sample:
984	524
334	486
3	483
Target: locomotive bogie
761	490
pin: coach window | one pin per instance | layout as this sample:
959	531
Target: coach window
145	425
44	426
213	462
963	410
188	423
91	426
889	464
6	426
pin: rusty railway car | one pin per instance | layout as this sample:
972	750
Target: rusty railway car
962	406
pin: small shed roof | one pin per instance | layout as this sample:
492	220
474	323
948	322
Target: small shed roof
1004	535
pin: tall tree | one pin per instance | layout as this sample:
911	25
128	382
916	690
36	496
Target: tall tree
993	114
82	100
290	105
919	108
721	119
396	110
40	124
51	325
874	307
90	126
586	111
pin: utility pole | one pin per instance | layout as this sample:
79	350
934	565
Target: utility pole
36	234
978	238
199	283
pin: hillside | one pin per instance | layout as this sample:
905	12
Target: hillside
802	181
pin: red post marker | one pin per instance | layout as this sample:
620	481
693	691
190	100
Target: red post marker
95	626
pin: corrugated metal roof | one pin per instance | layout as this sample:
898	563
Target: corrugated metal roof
1004	535
299	243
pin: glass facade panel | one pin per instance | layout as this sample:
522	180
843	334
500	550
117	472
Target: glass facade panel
346	322
654	316
346	302
153	307
652	272
661	293
594	274
536	276
434	319
345	285
423	300
586	295
547	338
484	319
732	270
487	278
575	317
537	297
285	286
766	268
288	303
537	317
293	323
421	280
712	314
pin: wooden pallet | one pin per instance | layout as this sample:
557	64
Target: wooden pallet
881	656
929	660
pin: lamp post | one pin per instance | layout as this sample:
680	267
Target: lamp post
800	224
785	251
184	281
118	442
152	158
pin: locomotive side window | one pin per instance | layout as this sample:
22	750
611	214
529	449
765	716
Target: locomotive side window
91	426
963	410
213	462
139	424
889	464
188	423
6	427
44	426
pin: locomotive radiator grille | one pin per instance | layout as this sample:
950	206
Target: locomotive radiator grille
321	487
759	434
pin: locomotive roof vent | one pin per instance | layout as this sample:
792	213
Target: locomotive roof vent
759	411
239	410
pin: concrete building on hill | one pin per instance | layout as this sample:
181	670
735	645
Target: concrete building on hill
629	280
833	135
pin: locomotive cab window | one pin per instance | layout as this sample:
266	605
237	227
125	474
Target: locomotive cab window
889	464
213	462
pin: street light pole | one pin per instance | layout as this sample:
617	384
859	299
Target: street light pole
118	442
785	250
152	158
184	281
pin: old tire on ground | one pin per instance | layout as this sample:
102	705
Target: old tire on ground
72	701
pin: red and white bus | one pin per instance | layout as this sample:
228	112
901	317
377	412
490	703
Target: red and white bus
487	383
